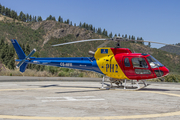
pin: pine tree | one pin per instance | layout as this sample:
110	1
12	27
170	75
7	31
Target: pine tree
67	21
0	8
35	19
27	17
80	24
99	31
3	10
6	11
27	51
110	35
39	18
23	47
106	33
23	18
30	18
74	24
11	63
129	37
125	35
59	19
53	18
115	35
49	18
20	16
119	35
149	44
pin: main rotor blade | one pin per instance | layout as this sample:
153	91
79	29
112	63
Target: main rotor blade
103	44
155	42
79	41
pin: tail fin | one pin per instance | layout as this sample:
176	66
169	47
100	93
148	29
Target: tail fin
22	64
18	49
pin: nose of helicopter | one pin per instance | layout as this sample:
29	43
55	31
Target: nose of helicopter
161	71
165	71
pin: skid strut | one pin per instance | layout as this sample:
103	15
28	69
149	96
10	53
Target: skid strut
124	84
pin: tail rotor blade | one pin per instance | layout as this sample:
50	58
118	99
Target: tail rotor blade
32	52
27	57
20	63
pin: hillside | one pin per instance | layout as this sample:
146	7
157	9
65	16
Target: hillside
41	35
171	49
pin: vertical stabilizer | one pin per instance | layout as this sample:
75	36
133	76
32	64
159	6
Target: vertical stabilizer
18	49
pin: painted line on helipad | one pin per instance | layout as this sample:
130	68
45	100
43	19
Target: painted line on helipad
177	113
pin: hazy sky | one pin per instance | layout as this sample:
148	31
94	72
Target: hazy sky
154	20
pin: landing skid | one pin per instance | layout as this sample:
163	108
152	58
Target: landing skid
123	84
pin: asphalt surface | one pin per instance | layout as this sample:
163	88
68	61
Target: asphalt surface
39	98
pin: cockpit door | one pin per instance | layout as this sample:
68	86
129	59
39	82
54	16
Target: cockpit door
137	68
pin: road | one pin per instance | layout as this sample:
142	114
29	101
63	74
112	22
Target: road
39	98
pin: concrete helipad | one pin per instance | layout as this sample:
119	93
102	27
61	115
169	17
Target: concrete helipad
80	98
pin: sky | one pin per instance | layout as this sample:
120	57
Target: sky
153	20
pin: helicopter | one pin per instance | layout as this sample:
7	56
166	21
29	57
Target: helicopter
119	64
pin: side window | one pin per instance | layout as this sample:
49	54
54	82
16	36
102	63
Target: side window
139	62
126	62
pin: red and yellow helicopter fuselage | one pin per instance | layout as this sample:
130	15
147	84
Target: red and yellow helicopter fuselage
121	63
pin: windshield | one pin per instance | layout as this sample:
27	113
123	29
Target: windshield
153	62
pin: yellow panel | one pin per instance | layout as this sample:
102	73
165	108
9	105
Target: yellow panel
107	63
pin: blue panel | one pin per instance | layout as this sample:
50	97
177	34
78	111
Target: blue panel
18	49
23	67
104	51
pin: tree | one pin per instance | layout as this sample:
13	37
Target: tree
27	17
53	18
30	18
80	24
49	18
104	32
35	20
27	50
3	10
119	35
115	35
110	35
129	37
67	21
23	47
74	24
11	63
6	12
142	40
23	18
0	8
20	15
149	44
125	35
99	31
39	18
60	19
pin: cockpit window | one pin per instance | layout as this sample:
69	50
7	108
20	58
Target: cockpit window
153	62
139	62
126	62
